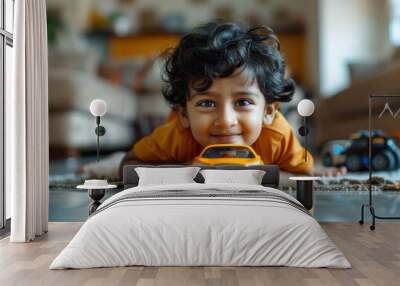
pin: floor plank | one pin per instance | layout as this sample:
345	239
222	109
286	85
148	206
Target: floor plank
374	255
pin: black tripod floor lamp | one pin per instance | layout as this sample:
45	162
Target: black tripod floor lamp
370	159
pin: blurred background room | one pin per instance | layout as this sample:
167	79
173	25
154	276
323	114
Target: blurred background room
338	52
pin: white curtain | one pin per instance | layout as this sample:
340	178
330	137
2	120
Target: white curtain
27	124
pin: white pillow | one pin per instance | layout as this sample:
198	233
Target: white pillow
249	177
163	176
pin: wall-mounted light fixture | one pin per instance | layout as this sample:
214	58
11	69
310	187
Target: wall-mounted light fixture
98	108
305	108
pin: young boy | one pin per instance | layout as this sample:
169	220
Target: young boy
224	83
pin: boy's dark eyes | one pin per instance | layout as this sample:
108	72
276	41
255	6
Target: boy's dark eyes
210	103
206	103
243	102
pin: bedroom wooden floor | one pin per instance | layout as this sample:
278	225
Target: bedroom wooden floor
375	257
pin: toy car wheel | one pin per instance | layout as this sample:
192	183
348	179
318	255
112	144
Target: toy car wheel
327	160
383	161
353	163
392	160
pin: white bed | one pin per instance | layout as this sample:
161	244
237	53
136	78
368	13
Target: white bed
201	224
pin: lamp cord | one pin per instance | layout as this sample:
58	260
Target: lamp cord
305	138
98	137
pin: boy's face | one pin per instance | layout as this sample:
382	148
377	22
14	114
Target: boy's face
230	111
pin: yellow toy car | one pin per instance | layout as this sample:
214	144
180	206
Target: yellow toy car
228	154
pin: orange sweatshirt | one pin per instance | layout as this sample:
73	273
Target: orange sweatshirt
277	144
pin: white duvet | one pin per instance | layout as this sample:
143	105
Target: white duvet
183	231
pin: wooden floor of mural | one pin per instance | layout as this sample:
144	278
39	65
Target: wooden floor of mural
374	255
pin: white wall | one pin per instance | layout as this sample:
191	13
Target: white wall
350	30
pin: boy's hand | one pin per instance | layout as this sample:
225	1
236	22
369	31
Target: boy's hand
331	172
105	168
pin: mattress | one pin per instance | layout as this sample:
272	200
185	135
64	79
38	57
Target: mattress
201	225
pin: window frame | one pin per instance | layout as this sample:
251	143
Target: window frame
6	39
394	20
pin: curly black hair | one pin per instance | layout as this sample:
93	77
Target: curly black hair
217	50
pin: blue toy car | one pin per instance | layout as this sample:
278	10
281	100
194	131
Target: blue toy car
353	153
332	153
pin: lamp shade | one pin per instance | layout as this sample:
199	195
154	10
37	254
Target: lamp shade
305	107
98	107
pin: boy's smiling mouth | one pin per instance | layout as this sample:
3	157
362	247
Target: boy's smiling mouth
226	138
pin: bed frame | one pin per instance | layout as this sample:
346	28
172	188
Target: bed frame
131	178
270	179
304	191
